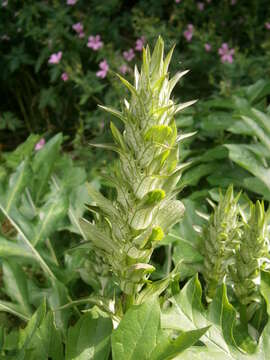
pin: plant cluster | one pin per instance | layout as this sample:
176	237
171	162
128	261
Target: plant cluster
81	271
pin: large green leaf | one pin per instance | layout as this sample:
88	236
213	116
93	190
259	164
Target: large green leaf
139	335
188	313
136	335
46	342
89	339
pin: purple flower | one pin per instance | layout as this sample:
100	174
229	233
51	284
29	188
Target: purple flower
55	58
124	69
140	43
94	42
207	47
233	2
71	2
78	27
177	1
64	76
104	67
40	144
129	54
188	33
226	54
267	25
200	6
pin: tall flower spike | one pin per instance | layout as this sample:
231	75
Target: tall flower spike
126	230
250	255
221	236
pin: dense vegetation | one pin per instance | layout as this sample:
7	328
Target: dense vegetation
139	228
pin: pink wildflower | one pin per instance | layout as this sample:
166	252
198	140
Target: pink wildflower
94	42
71	2
78	27
207	47
129	54
64	76
40	144
55	58
177	1
104	67
140	43
124	69
226	54
267	25
188	33
233	2
200	6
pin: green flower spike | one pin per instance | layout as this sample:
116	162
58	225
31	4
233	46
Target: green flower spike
126	230
251	255
221	236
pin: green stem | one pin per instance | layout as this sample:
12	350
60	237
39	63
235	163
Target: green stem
243	314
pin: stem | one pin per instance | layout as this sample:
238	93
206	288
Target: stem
243	314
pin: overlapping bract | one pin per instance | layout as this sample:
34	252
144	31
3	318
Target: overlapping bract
125	231
236	247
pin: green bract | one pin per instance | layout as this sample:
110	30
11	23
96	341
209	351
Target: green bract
126	230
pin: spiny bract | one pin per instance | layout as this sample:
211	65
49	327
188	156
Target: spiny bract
126	230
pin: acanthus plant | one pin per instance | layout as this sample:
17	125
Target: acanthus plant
125	231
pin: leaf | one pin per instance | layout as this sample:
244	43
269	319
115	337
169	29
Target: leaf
58	296
89	339
10	249
245	158
188	313
15	283
258	131
43	165
13	309
27	334
27	242
22	152
136	335
50	214
17	183
46	342
167	348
